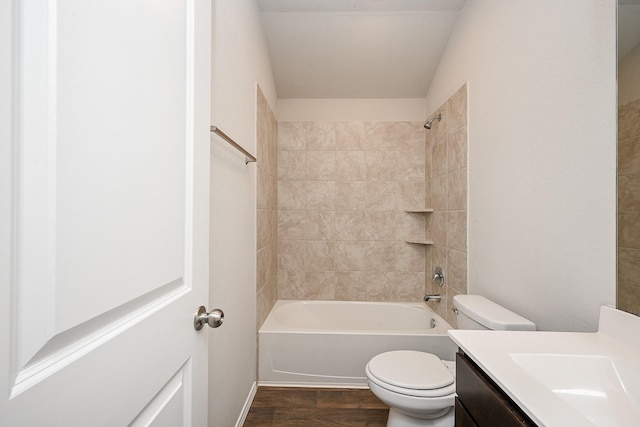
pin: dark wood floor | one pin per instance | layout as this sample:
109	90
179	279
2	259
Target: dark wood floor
289	406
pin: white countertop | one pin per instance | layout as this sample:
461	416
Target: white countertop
566	379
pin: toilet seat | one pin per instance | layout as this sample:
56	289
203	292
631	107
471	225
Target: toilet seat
411	373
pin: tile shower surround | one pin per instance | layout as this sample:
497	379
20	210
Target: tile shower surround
266	213
446	192
340	197
342	191
446	183
629	207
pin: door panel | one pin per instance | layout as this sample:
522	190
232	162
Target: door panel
106	212
97	135
168	407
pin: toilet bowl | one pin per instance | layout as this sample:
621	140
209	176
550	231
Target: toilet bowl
418	387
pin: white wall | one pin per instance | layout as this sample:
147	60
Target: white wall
328	110
240	59
542	153
7	182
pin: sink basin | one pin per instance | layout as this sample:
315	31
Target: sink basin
566	379
590	384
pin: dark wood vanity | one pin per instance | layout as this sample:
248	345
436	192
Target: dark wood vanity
480	402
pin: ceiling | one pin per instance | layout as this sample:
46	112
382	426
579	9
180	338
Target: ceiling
356	48
373	48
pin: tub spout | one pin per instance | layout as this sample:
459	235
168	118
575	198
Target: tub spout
436	298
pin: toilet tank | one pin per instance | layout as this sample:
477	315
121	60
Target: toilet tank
477	312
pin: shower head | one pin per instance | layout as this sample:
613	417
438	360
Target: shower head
427	124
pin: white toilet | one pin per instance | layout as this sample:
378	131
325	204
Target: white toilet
419	387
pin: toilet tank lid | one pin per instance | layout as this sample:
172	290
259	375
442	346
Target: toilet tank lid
491	315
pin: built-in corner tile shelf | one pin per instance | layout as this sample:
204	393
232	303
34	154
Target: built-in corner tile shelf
420	242
425	210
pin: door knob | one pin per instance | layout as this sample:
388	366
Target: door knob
214	318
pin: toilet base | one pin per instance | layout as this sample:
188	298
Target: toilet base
398	419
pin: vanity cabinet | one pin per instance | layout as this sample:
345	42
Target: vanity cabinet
463	418
480	402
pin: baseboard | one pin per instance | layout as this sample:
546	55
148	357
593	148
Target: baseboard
311	385
247	405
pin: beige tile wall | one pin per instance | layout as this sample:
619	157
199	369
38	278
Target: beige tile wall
446	193
629	207
267	214
342	191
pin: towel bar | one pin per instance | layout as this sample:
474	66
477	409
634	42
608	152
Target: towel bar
248	156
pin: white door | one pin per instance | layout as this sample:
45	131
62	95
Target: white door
103	212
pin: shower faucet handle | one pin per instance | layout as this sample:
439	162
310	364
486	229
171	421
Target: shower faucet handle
438	276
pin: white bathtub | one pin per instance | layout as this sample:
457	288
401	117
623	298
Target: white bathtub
328	343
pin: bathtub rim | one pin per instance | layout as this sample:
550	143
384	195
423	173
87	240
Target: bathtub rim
272	326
